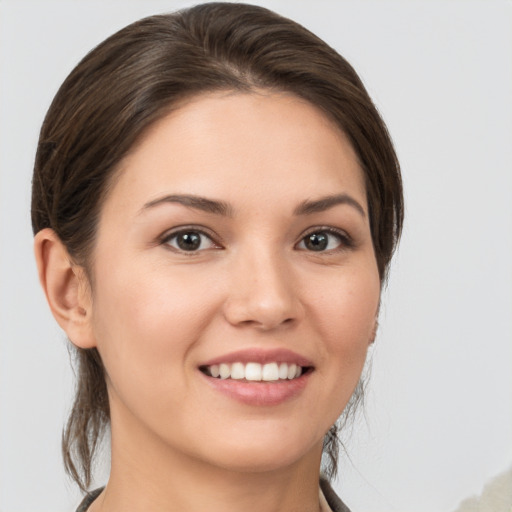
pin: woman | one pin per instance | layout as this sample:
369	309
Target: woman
215	205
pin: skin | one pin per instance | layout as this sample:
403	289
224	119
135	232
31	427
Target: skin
156	313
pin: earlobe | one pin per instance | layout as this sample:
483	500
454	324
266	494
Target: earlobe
66	288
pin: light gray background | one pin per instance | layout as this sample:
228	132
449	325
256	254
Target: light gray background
439	410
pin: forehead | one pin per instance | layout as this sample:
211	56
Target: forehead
231	144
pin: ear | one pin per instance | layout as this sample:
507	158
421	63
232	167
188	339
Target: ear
66	287
375	327
374	332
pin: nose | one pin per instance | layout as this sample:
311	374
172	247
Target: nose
262	293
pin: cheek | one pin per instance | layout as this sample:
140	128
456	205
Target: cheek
144	321
348	308
147	323
346	315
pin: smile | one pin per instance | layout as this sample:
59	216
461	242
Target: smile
254	372
258	377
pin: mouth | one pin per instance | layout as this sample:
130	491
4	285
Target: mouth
256	372
258	377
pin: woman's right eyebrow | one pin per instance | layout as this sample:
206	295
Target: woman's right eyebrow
192	201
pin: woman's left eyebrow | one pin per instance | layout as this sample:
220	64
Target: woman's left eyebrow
324	203
192	201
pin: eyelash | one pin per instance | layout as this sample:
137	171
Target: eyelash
344	240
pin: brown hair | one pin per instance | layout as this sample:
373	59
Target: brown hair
136	77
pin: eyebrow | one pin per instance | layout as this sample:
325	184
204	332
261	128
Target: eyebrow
192	201
324	203
222	208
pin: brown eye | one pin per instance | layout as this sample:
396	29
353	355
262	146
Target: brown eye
190	241
323	240
316	242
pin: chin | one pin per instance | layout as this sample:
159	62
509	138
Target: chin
262	454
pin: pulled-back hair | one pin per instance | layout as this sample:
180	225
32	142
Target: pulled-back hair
136	77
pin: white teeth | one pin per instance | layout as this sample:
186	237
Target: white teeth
237	371
224	371
283	371
268	372
253	371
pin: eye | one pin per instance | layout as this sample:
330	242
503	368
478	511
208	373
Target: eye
324	240
189	240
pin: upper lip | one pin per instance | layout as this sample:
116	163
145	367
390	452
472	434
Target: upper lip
262	356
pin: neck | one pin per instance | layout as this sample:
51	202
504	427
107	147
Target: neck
146	475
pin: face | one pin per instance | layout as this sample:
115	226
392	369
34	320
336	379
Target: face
235	284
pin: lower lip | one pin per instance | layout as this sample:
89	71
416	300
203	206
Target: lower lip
259	393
